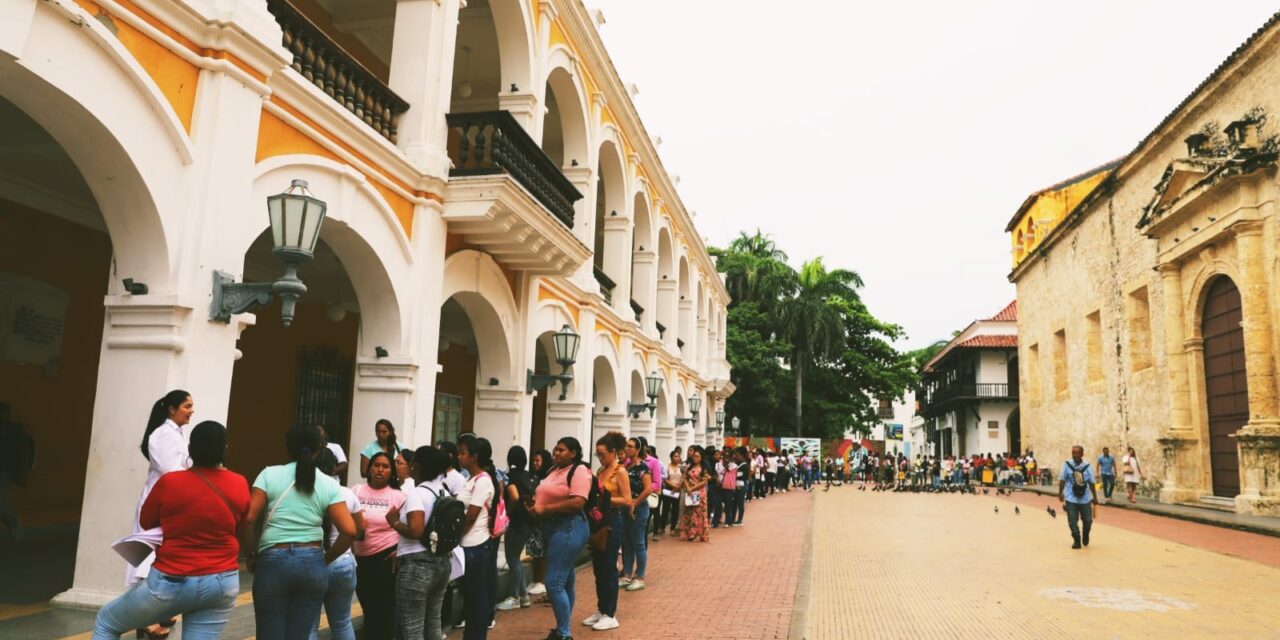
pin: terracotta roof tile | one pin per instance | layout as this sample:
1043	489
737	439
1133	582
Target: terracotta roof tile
997	342
1008	314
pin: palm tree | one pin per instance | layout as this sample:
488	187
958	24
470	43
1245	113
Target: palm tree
756	270
812	320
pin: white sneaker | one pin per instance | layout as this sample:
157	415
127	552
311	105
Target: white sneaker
593	619
636	585
605	623
622	582
537	589
493	623
508	604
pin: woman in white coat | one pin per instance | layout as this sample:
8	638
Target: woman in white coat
164	445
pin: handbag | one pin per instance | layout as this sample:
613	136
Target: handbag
692	499
652	500
598	540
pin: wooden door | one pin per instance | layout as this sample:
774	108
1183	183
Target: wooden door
1226	387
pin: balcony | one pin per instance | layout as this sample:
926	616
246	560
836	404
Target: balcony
639	310
938	400
607	285
324	63
507	198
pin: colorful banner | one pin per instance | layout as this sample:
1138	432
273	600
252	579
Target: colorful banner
893	431
796	446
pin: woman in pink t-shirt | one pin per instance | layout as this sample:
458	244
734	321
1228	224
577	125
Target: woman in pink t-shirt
376	551
557	505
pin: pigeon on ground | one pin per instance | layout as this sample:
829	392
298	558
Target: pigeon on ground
1016	510
1053	514
997	508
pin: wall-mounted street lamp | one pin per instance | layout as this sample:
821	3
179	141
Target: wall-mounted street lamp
736	423
652	389
296	218
565	343
720	418
695	403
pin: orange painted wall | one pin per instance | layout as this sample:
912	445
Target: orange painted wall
265	382
57	409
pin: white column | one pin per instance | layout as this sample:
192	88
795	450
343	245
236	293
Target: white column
644	265
143	343
664	438
602	423
384	388
644	426
685	333
584	215
524	108
498	419
422	74
617	261
703	337
667	311
569	418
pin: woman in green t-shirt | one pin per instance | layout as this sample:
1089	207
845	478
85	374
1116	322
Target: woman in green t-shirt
384	440
288	558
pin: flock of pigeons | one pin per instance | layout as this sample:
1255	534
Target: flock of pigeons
962	489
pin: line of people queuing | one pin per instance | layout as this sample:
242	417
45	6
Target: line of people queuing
424	523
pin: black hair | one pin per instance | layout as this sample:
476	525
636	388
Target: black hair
450	449
483	451
394	480
517	458
571	443
326	462
302	442
159	413
547	460
408	455
391	439
431	463
208	445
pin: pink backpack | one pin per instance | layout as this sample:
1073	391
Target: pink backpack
499	522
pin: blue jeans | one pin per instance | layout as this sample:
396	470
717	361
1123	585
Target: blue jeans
514	544
420	586
337	599
479	585
605	566
289	586
205	603
565	536
635	550
1079	512
1108	485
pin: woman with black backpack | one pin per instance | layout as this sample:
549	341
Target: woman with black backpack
607	540
423	571
560	499
481	495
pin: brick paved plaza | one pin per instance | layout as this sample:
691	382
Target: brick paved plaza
886	565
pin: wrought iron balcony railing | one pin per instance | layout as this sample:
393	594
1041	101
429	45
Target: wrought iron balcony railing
606	284
324	63
937	399
635	306
492	142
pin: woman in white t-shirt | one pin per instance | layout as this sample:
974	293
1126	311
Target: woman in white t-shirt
423	573
479	547
342	571
1132	473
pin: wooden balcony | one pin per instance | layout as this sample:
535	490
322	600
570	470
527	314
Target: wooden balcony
324	63
943	398
492	143
607	285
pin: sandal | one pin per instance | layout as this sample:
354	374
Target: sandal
153	632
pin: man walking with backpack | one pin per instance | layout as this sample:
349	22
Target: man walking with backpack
1079	500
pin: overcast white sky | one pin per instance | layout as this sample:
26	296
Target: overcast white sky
898	138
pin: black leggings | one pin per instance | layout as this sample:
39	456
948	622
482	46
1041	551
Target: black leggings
376	586
668	513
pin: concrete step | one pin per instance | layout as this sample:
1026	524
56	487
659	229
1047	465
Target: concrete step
1219	503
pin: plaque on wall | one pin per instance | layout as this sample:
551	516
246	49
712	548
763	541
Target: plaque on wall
32	316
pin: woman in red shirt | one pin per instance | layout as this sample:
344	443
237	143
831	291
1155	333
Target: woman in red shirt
195	572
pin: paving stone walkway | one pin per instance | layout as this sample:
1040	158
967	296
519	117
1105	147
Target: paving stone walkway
948	566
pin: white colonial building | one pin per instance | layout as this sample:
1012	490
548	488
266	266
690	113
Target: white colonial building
487	182
969	395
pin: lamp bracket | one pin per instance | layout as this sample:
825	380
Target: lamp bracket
634	410
683	421
535	382
231	297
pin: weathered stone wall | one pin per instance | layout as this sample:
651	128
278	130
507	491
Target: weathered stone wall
1096	264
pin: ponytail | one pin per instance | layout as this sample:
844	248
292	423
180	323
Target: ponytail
483	451
159	414
303	441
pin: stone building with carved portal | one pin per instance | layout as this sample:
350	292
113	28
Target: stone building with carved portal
1148	314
